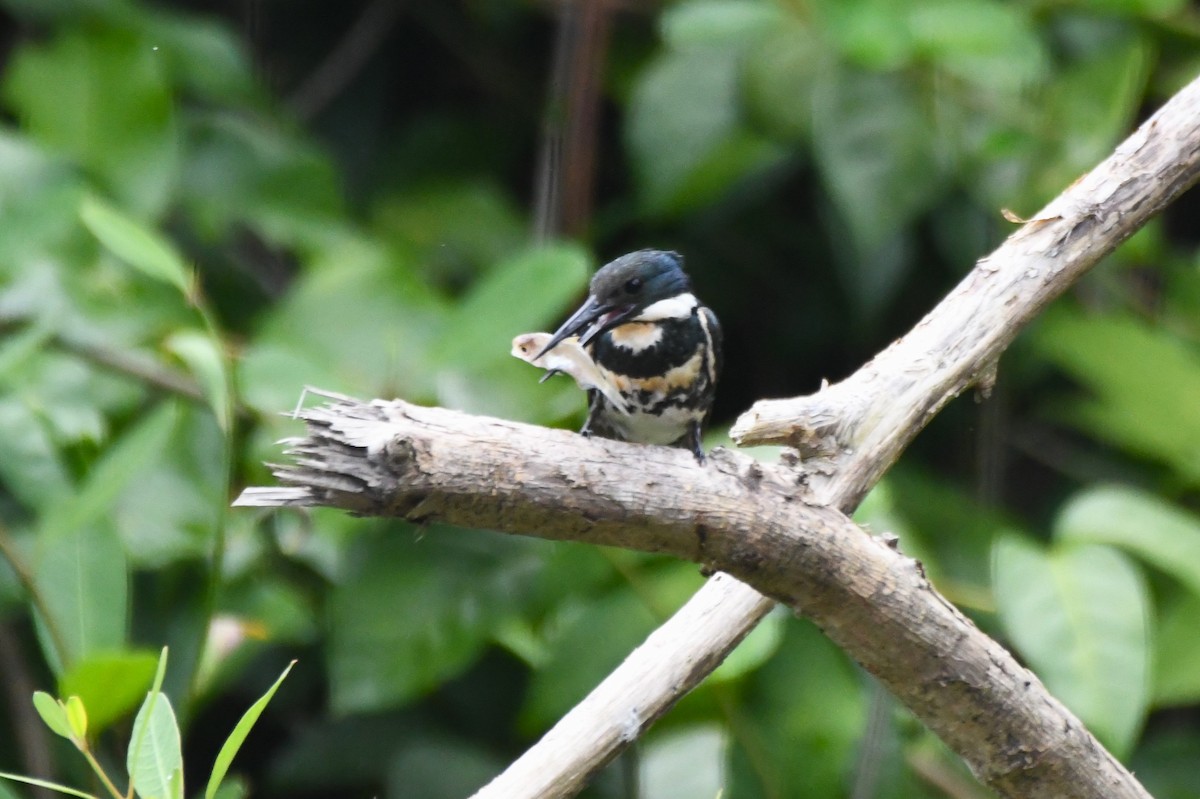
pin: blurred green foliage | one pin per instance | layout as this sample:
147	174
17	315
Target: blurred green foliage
187	239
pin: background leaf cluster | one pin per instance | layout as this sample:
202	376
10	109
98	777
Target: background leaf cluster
194	226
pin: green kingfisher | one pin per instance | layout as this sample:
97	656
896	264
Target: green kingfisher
656	348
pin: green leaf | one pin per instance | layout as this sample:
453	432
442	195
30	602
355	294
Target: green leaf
135	244
739	155
880	168
683	762
1177	665
800	721
1141	524
19	348
82	576
34	188
464	582
170	506
94	499
685	130
589	640
234	742
1143	383
160	674
205	55
411	614
1150	9
440	767
1078	615
155	762
780	75
53	714
455	229
1089	108
53	786
112	110
202	355
718	22
110	684
988	43
77	717
1165	763
387	320
272	374
70	397
30	465
870	33
521	294
242	171
873	277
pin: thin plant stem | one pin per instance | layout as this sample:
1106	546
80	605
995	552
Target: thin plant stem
96	767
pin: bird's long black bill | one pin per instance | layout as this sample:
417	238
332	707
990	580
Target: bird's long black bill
589	312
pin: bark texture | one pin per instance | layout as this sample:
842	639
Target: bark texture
756	522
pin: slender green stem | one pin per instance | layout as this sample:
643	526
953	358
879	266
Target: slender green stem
124	362
130	364
96	767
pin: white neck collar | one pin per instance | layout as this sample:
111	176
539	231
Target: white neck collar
678	307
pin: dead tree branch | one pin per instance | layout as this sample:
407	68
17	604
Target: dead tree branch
749	520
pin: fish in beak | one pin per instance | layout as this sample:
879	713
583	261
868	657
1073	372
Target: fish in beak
593	315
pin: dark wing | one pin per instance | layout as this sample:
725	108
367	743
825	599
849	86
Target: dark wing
718	340
596	423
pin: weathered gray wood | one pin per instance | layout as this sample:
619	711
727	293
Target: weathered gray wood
756	522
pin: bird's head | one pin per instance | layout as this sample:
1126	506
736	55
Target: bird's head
621	290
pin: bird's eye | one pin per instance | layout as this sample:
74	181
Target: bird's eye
633	285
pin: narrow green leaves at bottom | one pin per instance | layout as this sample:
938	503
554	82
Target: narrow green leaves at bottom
236	738
53	786
155	760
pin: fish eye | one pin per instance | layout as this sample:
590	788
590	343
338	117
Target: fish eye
633	285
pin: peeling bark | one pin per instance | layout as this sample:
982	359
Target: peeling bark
754	521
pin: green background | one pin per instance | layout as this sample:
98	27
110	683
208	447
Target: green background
206	206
